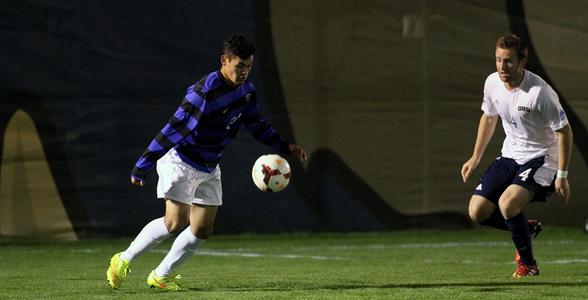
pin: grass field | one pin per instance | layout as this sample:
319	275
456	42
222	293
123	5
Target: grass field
468	264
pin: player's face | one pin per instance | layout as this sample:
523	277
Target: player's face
235	69
508	65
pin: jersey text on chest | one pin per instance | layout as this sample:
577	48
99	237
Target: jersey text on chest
524	108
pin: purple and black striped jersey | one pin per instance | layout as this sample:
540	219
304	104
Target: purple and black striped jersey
208	118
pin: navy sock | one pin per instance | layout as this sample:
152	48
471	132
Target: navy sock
496	220
519	229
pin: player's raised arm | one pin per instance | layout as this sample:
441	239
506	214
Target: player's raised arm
485	132
262	131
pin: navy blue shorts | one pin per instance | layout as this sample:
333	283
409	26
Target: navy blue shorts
505	171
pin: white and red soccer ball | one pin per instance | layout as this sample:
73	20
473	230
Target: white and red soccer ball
271	173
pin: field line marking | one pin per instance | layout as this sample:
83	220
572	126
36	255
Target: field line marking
249	254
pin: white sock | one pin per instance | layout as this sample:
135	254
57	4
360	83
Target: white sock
151	235
183	247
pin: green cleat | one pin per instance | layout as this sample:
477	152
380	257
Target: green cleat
118	270
167	283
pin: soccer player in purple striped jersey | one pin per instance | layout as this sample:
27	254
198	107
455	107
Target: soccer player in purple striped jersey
535	154
187	152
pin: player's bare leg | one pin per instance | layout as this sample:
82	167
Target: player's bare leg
513	200
177	216
202	220
186	244
484	212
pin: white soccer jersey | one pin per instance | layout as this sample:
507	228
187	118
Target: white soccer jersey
530	115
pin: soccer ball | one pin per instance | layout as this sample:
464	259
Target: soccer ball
271	173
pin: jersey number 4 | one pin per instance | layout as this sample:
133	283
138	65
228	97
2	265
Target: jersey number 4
525	174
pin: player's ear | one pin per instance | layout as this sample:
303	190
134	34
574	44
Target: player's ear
224	59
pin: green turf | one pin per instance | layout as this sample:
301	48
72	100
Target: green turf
469	264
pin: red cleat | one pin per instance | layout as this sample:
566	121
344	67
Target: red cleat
523	270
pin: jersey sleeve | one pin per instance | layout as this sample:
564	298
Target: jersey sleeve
261	130
488	106
551	109
184	121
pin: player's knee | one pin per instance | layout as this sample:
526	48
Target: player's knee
202	232
507	209
476	216
513	200
176	225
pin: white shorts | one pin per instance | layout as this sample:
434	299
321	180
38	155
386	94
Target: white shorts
183	183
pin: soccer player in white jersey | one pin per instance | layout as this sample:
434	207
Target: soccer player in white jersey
535	153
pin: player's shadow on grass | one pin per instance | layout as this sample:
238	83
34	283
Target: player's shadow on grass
483	286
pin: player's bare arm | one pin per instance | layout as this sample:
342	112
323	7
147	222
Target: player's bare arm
485	133
565	139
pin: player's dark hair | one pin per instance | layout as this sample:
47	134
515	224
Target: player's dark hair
514	42
239	45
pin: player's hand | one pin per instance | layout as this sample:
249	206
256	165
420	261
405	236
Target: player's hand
137	181
562	188
467	169
297	152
